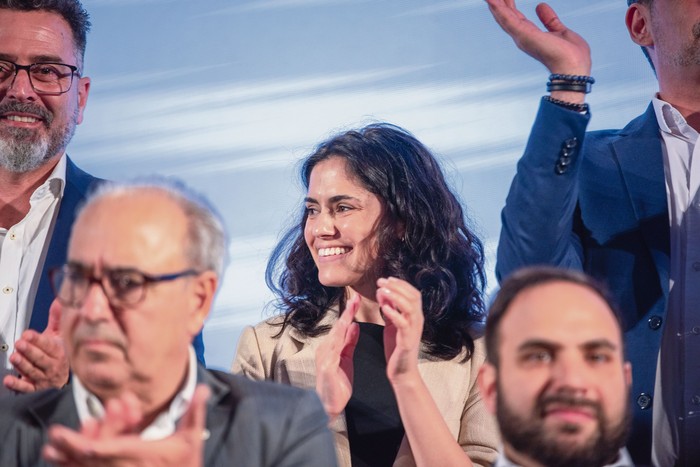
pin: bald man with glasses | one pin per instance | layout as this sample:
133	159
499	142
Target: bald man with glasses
144	263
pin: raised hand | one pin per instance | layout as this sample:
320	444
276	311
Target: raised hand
402	307
40	359
334	367
114	440
558	48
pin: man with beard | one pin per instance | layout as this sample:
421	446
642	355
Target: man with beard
43	94
555	374
622	205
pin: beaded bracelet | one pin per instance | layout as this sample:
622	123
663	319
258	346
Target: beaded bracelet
572	78
582	108
573	83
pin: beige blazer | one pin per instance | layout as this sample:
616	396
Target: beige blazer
289	358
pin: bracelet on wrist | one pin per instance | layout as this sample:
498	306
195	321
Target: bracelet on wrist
581	108
573	83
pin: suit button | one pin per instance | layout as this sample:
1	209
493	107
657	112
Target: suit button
695	400
571	143
644	401
560	168
696	266
655	322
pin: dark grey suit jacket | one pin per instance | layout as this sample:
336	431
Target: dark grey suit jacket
251	423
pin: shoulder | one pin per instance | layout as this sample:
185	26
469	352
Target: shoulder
269	398
642	125
79	180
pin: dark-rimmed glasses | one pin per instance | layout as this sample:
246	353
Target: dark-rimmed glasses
123	287
46	78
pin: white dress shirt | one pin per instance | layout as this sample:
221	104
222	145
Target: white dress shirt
23	249
680	151
89	406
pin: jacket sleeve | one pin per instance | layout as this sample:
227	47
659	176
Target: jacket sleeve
540	216
309	442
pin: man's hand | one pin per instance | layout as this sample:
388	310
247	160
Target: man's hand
40	359
114	441
559	48
334	368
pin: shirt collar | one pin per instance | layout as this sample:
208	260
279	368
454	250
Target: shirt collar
623	460
54	184
89	406
671	121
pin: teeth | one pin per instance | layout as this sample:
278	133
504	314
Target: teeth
332	251
17	118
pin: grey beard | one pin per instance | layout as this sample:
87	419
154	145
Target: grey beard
22	155
20	152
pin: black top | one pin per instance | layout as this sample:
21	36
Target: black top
375	430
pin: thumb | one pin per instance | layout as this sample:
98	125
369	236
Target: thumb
196	414
54	325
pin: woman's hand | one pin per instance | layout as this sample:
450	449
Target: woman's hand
334	368
402	307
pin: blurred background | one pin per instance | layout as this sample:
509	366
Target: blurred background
229	95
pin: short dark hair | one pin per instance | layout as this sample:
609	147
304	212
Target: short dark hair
71	11
422	238
527	278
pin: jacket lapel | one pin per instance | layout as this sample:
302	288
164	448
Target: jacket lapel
78	183
639	153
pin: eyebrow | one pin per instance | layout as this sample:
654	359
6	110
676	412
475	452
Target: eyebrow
332	199
35	58
590	345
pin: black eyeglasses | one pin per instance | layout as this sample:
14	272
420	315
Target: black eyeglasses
46	78
122	287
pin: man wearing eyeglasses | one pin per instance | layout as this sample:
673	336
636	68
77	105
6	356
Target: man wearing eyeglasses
144	262
43	94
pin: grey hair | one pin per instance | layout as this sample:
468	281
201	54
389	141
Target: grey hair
207	242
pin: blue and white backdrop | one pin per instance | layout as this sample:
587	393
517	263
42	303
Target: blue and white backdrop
229	94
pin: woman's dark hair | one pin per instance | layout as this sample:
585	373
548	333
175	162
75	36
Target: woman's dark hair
422	238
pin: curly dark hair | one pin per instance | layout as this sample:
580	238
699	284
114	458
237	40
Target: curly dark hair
438	254
71	11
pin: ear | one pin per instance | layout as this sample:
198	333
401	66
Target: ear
204	289
486	379
638	21
628	373
83	91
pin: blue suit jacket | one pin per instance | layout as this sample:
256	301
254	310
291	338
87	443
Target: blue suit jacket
78	185
251	424
606	213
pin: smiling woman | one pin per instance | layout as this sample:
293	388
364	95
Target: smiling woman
383	238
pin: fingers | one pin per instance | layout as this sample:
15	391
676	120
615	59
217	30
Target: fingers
549	18
399	298
338	338
23	385
122	416
41	359
196	415
66	446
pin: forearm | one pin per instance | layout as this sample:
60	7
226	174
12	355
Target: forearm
538	218
428	435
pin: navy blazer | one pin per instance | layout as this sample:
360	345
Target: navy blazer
597	202
251	424
78	185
